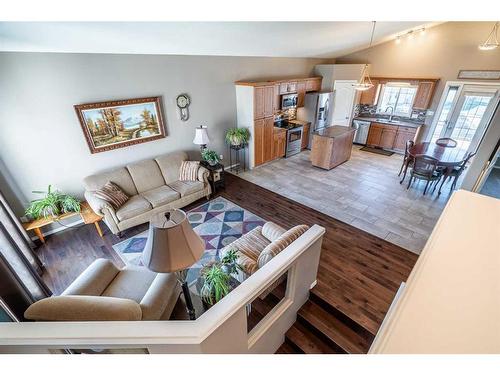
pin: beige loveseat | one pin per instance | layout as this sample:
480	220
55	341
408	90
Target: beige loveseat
153	187
104	292
257	247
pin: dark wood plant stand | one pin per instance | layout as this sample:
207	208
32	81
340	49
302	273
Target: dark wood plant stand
236	150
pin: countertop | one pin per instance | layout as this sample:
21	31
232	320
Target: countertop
299	122
384	121
333	131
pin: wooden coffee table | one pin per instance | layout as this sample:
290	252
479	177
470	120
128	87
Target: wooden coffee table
87	214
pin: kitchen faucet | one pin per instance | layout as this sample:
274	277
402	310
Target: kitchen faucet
392	111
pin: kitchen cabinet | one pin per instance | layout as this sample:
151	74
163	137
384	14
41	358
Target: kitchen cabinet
276	98
263	140
424	94
301	93
369	97
403	135
390	137
313	84
279	143
288	87
305	135
263	101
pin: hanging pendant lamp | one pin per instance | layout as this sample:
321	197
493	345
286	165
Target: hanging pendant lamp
492	41
365	83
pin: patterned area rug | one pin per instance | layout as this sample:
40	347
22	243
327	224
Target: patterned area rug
219	222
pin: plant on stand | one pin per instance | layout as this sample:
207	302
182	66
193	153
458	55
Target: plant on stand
237	137
217	278
53	204
210	157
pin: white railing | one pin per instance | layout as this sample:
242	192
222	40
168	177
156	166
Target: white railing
221	329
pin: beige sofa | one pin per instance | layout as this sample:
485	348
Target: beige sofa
153	187
104	292
257	247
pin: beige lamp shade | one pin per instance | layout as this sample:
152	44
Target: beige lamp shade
172	244
201	136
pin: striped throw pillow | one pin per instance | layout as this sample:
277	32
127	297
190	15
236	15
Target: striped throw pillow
112	194
189	171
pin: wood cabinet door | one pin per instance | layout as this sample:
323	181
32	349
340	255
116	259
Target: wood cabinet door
276	98
292	86
374	135
305	136
301	91
424	95
258	102
268	101
404	134
283	88
268	139
368	97
388	137
258	141
281	144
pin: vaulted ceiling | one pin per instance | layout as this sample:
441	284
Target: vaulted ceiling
276	39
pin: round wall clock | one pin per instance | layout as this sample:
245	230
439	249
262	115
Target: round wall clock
183	102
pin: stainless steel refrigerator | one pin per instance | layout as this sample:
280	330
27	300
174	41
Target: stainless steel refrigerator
318	110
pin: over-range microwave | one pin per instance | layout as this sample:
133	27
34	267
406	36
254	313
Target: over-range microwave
289	101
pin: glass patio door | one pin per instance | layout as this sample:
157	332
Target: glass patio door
465	113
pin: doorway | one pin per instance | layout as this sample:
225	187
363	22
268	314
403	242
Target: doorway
464	112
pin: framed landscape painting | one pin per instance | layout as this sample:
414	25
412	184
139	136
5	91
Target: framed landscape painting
121	123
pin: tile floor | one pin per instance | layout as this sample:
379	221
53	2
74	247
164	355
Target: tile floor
364	192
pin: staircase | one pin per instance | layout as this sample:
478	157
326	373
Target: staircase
322	328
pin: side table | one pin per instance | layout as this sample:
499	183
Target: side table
87	214
216	177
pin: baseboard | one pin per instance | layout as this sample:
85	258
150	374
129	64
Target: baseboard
59	228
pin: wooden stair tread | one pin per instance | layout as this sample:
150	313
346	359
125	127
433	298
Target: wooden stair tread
286	348
353	307
307	342
334	329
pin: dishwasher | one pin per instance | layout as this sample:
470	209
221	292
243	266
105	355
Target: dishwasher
362	128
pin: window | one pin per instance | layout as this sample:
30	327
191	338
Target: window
398	96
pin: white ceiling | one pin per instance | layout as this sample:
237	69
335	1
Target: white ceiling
277	39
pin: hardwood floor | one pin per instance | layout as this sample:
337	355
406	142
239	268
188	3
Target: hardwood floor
358	276
364	192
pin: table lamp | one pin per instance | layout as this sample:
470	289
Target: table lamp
201	137
173	246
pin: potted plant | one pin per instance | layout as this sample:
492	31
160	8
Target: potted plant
210	157
53	204
237	136
229	264
216	284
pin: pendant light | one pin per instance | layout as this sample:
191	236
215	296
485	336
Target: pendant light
492	41
365	83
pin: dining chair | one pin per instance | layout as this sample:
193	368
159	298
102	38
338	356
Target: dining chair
407	160
457	171
425	168
446	142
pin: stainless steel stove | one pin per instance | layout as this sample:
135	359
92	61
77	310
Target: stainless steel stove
293	136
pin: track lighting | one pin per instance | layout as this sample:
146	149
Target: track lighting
410	34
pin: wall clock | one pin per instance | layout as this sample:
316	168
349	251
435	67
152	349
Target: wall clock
183	102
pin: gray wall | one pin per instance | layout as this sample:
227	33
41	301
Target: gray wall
41	141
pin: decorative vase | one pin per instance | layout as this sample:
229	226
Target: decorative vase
212	163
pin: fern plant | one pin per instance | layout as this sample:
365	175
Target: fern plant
53	204
229	264
237	136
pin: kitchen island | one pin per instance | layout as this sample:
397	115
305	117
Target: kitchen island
331	146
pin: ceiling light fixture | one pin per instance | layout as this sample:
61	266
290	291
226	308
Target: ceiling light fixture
365	83
410	34
492	41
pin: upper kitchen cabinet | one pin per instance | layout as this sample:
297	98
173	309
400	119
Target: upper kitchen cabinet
424	95
263	101
301	93
370	96
288	87
313	84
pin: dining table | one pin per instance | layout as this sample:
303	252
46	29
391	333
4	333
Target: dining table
447	157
